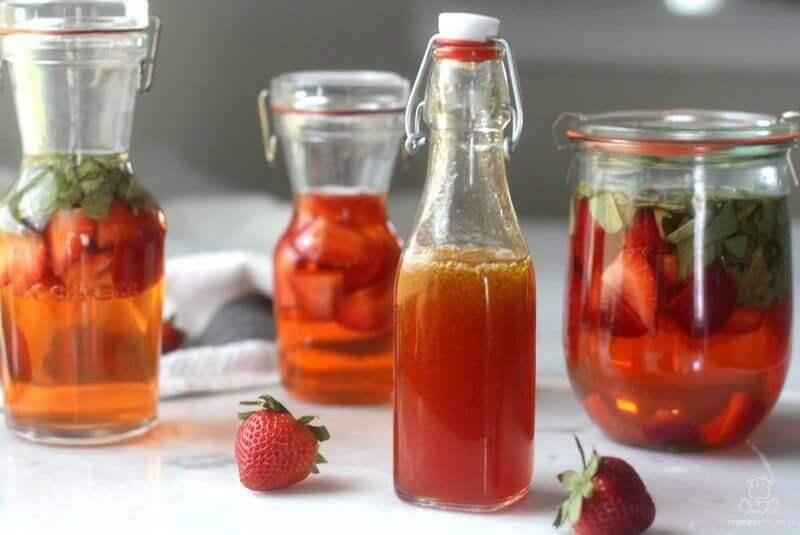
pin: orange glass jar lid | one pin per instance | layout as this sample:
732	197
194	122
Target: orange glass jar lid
677	131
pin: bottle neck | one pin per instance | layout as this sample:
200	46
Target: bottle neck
348	153
74	95
466	203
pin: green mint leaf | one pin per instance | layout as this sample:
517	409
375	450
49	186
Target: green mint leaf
756	278
685	251
55	182
682	233
768	218
736	246
723	225
625	208
605	212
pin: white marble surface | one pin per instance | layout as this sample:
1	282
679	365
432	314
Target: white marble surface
181	478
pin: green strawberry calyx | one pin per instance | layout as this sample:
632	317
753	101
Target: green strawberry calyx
269	404
580	487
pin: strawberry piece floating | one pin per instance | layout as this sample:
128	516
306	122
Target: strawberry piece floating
69	235
717	300
643	234
368	309
317	293
629	295
607	497
667	428
273	449
742	414
744	320
332	245
136	238
589	238
23	260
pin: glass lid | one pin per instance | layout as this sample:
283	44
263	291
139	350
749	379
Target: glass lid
72	16
689	125
339	92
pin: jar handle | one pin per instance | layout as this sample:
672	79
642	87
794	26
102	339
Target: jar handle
148	65
567	121
270	141
792	118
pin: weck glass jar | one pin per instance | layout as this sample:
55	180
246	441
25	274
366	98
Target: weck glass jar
81	242
679	290
465	296
334	266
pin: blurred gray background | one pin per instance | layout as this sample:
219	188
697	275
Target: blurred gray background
197	131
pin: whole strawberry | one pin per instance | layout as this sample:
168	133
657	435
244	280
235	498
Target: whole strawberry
171	336
273	449
608	498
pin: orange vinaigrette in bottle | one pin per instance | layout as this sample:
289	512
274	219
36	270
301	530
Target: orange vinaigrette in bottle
335	264
81	242
464	333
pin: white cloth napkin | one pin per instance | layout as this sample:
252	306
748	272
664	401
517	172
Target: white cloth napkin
197	286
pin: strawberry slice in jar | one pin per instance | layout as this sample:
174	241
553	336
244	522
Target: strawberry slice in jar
629	295
332	245
91	272
23	260
316	293
368	309
706	309
137	239
69	235
742	414
671	428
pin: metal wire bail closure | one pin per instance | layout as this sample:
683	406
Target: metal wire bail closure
415	138
148	64
569	120
792	118
270	141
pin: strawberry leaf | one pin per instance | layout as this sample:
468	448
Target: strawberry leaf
569	479
580	486
320	431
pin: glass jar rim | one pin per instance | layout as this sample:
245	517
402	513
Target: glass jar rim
339	93
679	131
73	17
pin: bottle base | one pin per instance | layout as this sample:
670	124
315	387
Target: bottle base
81	436
433	503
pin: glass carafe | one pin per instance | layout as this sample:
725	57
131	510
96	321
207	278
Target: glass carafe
464	342
334	266
679	290
81	242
